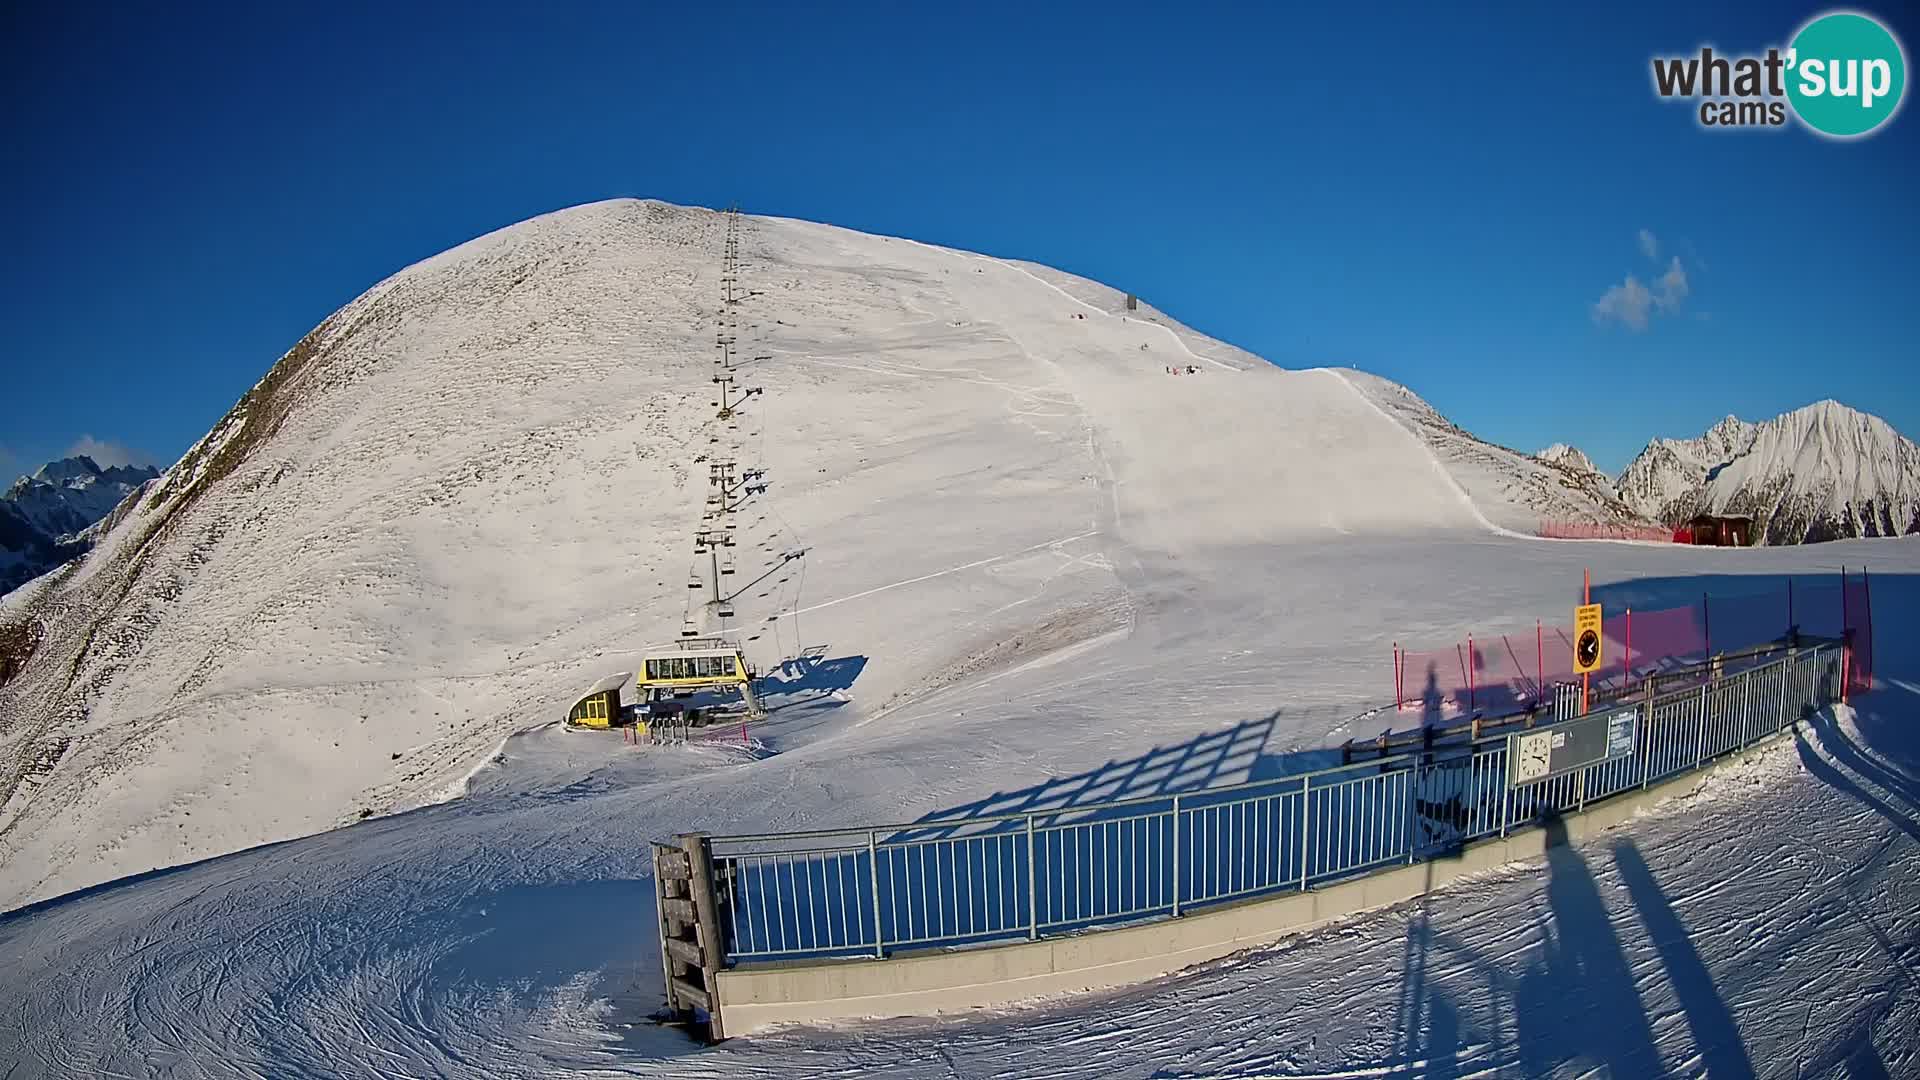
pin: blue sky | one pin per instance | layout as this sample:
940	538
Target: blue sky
1441	197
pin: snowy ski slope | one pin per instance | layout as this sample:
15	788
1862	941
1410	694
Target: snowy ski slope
1035	562
470	493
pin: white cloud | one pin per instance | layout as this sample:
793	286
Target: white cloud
106	453
1672	286
1649	246
1633	304
1627	302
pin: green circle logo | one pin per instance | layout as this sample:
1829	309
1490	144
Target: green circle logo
1846	74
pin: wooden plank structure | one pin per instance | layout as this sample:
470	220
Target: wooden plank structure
690	947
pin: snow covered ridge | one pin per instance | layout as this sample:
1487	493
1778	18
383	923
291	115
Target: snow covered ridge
44	518
1516	492
1821	472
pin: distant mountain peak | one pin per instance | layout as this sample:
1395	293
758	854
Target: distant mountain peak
66	469
1569	457
1822	471
44	513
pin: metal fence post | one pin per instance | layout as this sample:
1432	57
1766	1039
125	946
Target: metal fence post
1176	856
1506	797
1306	821
873	863
1413	787
1746	709
1033	890
1700	731
1646	744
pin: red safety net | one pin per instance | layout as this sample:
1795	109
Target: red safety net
1594	530
1510	672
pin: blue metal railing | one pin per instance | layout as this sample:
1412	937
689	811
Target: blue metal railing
961	881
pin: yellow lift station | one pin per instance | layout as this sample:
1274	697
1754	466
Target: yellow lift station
684	670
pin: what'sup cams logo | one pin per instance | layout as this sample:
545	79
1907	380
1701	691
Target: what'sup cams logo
1843	76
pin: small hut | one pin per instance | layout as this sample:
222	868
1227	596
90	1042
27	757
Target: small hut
1720	530
599	707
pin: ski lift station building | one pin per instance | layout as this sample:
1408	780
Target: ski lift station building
671	672
599	707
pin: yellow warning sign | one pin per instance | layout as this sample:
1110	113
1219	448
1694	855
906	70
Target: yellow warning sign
1586	638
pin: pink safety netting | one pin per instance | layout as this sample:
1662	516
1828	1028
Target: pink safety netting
1594	530
1514	671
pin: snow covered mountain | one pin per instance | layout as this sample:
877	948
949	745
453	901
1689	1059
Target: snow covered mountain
471	492
43	516
1567	457
1661	481
1821	472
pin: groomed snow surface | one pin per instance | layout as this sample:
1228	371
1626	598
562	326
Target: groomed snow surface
1034	557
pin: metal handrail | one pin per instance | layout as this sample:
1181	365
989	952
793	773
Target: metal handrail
949	882
1368	765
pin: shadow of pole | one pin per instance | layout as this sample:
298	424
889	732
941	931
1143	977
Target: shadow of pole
1865	1064
1716	1038
1582	976
1428	1022
1830	774
1850	754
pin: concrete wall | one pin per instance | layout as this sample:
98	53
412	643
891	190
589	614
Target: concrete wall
755	997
